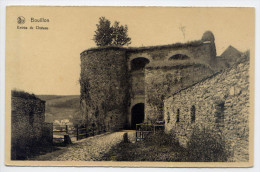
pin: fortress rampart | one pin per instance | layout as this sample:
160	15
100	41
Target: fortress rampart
121	87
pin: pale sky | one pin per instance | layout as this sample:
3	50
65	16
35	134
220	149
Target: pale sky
48	61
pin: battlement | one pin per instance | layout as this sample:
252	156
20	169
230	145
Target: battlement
207	38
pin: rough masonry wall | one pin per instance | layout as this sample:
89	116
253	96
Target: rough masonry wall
26	131
225	94
197	50
98	79
164	76
137	83
163	81
104	89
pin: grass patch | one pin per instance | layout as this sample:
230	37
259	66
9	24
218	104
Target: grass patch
32	152
156	147
207	146
202	147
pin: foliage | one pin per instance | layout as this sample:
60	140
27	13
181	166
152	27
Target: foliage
104	32
207	146
120	37
204	146
23	94
155	147
161	139
107	35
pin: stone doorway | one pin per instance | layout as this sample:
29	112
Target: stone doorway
137	113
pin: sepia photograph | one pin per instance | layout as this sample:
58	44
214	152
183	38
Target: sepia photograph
129	86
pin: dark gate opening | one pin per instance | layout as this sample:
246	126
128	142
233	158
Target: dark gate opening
139	63
137	115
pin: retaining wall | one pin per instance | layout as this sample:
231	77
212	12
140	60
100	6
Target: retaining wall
221	104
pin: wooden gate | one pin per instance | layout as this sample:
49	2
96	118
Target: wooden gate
59	131
144	129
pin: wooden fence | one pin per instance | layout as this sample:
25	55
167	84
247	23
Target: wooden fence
83	132
59	131
77	132
143	129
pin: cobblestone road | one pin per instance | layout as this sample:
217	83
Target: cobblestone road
90	149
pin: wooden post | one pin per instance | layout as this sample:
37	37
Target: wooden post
52	133
86	131
77	128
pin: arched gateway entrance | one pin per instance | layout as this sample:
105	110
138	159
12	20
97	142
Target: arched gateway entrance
137	113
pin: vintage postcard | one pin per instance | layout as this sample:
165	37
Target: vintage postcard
129	86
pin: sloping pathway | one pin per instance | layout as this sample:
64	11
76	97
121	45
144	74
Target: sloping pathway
89	149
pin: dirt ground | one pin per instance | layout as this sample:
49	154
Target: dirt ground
88	149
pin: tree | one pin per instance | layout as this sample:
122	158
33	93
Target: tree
120	36
107	35
103	34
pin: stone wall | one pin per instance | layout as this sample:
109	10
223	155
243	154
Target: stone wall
165	80
104	88
137	83
196	50
220	104
110	86
27	127
165	75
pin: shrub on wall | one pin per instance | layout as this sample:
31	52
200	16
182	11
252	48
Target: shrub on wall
23	94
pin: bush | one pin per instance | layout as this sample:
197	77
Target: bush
160	139
155	147
23	94
207	146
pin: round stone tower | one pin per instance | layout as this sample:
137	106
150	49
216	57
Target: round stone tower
208	37
104	88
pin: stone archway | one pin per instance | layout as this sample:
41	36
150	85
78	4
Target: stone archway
179	57
137	113
139	63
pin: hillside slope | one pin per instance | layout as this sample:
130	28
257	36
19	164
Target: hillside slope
62	107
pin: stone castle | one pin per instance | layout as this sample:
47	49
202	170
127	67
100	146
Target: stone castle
181	85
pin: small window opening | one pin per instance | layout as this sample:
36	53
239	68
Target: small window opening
192	113
168	119
178	115
179	57
219	114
